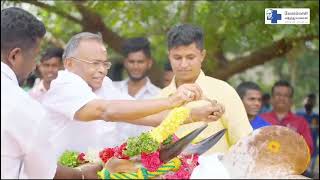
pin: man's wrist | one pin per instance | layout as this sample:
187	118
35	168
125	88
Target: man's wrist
172	101
191	116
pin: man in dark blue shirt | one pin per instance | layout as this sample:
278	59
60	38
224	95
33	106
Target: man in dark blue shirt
313	120
251	96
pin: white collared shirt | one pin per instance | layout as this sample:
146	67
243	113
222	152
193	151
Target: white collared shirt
148	91
67	94
25	151
38	91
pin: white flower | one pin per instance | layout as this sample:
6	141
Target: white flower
93	156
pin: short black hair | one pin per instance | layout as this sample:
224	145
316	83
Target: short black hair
265	96
20	29
311	96
245	86
51	53
136	44
167	66
282	83
184	35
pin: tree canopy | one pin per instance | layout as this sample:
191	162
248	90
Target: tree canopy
236	37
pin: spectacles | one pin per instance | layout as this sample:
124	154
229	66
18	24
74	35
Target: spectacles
96	64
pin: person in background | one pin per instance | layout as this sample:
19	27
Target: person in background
250	94
138	62
30	81
281	101
50	64
266	106
313	120
167	75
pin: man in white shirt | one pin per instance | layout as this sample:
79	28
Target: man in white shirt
81	95
25	150
137	62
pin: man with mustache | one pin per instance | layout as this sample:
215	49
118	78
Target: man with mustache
281	100
138	62
84	106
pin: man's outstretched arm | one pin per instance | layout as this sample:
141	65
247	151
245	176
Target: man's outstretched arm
118	110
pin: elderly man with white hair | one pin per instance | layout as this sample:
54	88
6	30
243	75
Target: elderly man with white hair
84	106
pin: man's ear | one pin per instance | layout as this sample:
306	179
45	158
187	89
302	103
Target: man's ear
203	54
13	56
150	63
67	63
125	63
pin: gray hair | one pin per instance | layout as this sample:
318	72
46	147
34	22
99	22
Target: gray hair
75	41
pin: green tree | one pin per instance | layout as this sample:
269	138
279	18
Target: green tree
236	37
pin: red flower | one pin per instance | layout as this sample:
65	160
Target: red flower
80	158
106	154
151	161
188	163
191	160
118	151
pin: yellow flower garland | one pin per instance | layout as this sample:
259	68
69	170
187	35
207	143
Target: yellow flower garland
170	124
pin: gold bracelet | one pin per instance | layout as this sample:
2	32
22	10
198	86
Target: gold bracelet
82	175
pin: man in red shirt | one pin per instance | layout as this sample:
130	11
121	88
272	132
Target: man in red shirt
281	100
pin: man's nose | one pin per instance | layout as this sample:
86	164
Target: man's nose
52	69
257	103
184	63
102	69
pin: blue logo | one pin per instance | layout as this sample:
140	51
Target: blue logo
273	15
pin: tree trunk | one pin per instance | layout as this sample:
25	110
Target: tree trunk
277	49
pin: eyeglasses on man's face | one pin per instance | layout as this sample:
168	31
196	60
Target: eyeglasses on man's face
96	63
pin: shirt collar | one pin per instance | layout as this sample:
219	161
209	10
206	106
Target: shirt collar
41	87
288	115
172	86
8	72
147	86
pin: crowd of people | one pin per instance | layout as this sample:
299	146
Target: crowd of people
74	105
